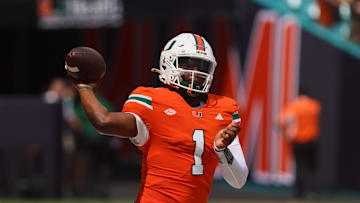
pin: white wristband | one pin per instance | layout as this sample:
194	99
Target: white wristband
224	155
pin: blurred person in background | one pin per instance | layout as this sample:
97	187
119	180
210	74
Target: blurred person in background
86	155
336	15
342	16
60	90
182	130
329	12
299	122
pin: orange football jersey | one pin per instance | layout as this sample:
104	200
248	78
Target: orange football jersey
303	114
178	159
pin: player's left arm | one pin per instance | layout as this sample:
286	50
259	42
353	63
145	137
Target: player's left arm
231	158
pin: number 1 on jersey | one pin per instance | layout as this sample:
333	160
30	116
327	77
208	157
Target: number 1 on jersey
198	138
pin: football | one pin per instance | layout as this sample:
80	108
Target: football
84	65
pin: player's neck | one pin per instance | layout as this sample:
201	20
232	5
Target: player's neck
194	101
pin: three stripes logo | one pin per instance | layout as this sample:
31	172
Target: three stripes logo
219	117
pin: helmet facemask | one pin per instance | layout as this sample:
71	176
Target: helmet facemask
190	73
195	74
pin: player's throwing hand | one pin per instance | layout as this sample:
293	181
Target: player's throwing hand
225	136
92	85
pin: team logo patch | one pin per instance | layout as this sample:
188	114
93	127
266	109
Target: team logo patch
197	114
170	112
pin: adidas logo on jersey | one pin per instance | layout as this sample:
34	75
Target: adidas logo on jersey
219	117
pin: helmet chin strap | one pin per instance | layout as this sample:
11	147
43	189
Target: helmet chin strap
194	99
192	93
189	92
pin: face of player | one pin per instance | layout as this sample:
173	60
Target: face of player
193	64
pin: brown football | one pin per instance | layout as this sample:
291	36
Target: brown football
84	65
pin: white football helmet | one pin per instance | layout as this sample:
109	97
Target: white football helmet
187	61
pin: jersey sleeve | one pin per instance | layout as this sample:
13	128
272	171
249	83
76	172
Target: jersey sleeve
230	107
142	132
235	113
139	104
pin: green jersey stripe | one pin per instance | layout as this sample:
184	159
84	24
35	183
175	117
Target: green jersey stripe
140	99
141	96
140	102
236	117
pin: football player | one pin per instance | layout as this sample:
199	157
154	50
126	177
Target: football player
183	131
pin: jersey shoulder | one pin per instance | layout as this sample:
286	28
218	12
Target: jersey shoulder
223	102
142	90
152	91
226	105
141	97
146	97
